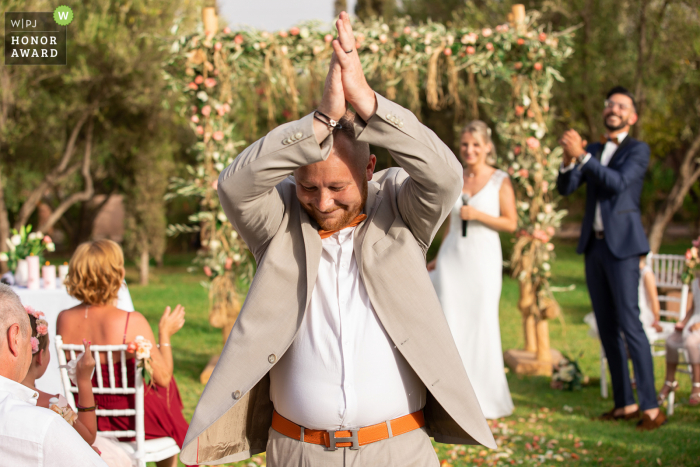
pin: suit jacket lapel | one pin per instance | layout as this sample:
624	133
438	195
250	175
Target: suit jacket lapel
619	149
373	200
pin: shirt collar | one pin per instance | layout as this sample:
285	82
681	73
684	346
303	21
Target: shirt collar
620	138
18	391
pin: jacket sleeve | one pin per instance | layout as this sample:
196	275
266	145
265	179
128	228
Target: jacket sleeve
617	180
570	181
434	180
248	188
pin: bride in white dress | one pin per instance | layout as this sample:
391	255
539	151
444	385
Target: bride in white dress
467	273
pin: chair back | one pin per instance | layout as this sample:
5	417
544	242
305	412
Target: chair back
667	272
110	387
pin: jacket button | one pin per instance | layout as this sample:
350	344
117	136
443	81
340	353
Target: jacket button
298	135
272	358
236	395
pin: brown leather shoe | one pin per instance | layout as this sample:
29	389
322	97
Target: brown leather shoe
647	424
610	416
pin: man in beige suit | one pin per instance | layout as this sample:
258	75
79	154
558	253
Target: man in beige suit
341	354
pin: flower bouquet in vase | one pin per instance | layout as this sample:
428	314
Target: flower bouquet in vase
24	243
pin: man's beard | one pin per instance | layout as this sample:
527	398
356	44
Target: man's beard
347	217
623	123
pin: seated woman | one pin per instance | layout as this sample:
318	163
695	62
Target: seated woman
649	306
686	336
95	276
85	422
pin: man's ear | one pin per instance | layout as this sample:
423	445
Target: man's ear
14	339
633	119
371	164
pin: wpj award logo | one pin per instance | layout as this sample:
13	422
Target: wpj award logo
37	38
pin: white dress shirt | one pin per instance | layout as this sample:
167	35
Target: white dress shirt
608	151
32	436
342	370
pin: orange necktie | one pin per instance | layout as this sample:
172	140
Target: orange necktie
354	223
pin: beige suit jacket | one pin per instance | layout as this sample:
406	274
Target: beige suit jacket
405	207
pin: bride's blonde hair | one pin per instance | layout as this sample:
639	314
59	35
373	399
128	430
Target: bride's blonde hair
482	130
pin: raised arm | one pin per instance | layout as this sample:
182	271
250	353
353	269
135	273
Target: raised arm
435	176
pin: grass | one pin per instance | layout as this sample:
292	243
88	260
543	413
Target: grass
548	427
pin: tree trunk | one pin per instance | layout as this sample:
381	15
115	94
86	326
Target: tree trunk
543	353
529	330
4	224
143	267
687	175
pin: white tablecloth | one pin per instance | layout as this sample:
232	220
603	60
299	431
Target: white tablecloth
52	302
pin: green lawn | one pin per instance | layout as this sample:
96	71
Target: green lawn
549	427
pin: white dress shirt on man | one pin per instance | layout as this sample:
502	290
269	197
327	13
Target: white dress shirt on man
343	371
608	151
32	436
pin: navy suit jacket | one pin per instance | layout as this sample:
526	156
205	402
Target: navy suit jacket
618	188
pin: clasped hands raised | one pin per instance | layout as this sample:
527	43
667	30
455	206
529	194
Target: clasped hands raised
345	82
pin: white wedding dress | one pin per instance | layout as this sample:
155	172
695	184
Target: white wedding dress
468	279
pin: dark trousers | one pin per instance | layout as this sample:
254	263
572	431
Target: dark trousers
613	285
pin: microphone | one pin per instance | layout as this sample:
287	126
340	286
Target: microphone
465	201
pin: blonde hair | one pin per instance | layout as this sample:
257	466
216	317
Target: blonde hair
482	130
95	272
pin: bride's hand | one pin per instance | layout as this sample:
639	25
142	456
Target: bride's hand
469	213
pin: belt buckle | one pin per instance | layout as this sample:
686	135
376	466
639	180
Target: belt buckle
332	440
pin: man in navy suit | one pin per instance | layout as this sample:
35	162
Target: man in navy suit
612	239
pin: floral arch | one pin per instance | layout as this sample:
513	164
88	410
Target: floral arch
236	85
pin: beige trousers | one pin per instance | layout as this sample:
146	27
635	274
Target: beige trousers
412	449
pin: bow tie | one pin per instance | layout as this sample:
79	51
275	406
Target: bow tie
354	223
616	140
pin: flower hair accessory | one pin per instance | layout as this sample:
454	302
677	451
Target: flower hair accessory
35	345
42	326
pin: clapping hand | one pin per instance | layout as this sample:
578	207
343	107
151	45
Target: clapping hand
86	365
171	321
573	145
355	87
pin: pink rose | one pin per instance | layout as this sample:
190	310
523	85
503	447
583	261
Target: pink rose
238	39
131	347
489	47
550	246
220	110
207	271
199	130
519	110
199	79
35	345
218	46
518	65
227	108
545	186
486	32
193	86
47	239
218	135
521	41
542	37
327	38
194	119
42	329
209	82
406	30
523	173
538	66
228	264
215	184
227	30
516	150
533	143
447	52
471	50
530	113
294	31
383	38
550	231
696	243
206	110
511	171
688	255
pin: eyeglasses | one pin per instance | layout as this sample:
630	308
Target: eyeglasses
612	104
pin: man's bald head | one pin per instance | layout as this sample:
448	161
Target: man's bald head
334	191
15	336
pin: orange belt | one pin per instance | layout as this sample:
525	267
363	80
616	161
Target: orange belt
349	438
